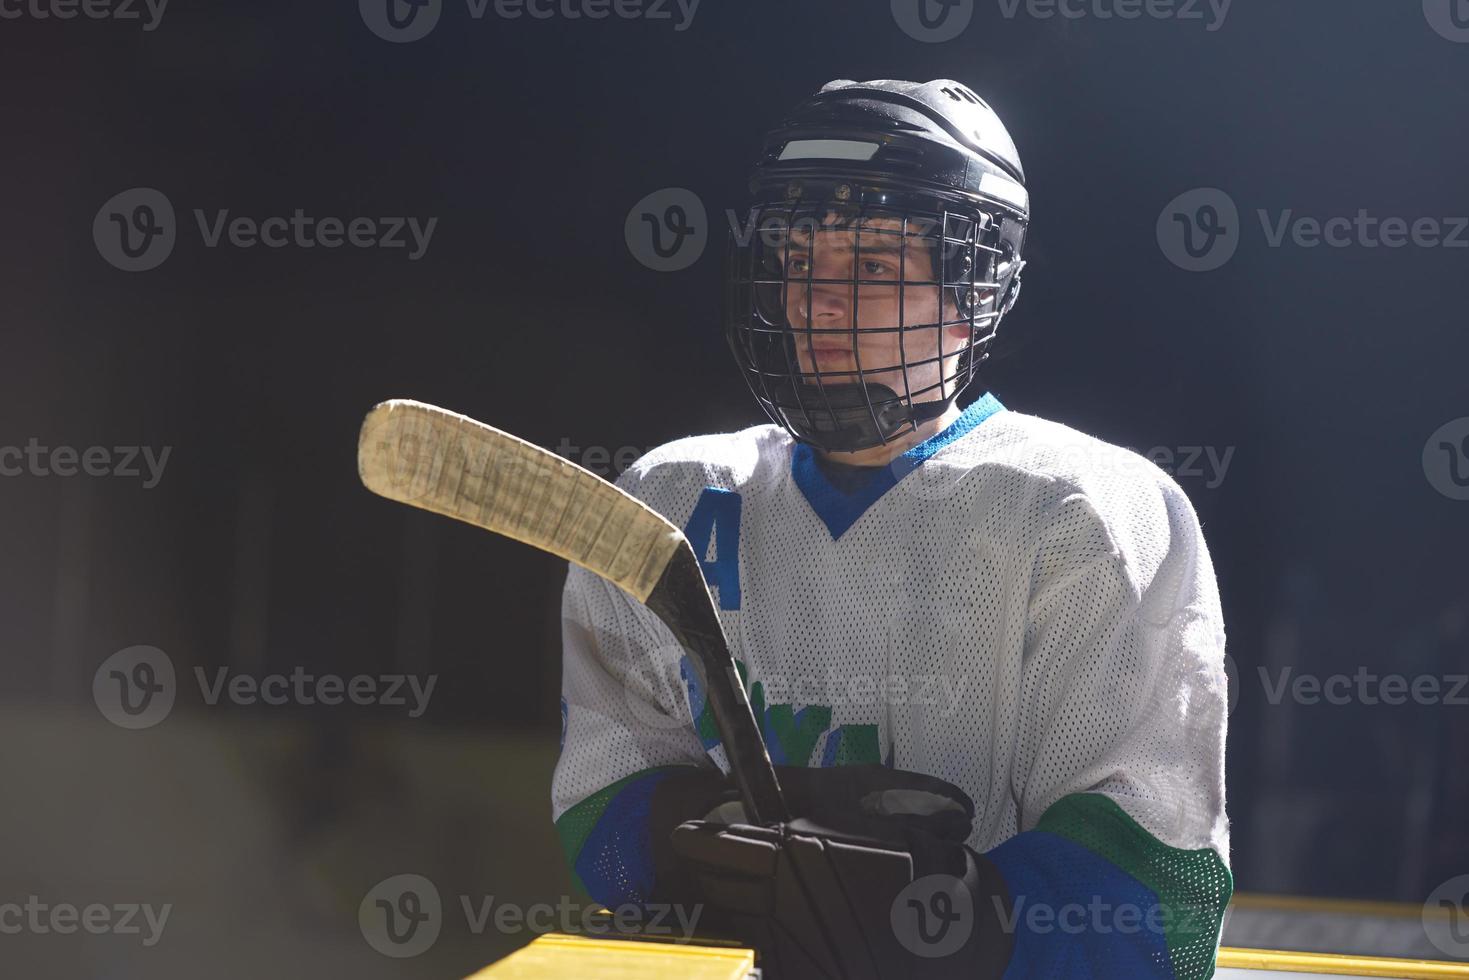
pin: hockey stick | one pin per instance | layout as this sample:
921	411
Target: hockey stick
435	460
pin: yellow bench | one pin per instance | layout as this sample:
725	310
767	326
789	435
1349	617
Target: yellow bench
556	956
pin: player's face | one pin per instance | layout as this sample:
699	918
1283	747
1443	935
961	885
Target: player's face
812	309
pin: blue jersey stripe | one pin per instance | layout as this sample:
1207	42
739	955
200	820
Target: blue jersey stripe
1078	916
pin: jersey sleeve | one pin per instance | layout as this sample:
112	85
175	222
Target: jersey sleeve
626	728
1121	865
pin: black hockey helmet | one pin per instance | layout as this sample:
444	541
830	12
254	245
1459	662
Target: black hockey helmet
926	171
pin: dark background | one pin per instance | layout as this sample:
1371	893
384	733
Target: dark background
1326	370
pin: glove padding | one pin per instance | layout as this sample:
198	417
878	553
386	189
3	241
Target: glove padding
878	801
823	903
868	800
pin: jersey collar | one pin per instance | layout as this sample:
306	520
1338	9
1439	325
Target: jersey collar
840	510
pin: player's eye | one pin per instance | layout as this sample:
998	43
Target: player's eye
797	265
873	268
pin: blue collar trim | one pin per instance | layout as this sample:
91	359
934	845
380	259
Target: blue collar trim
839	510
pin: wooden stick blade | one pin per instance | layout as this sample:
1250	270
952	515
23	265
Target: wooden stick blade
440	461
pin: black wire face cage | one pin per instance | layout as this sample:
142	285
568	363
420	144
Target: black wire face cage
910	268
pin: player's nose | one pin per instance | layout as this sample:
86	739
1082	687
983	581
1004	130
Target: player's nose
823	301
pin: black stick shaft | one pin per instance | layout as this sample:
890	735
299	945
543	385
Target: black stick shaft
682	601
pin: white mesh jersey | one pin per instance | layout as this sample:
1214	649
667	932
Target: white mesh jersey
1014	606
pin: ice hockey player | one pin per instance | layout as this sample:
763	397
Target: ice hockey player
980	636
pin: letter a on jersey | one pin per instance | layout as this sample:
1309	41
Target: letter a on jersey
716	521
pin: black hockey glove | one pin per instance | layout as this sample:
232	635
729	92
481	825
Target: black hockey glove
869	801
819	903
877	801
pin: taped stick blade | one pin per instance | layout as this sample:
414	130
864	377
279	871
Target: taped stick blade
440	461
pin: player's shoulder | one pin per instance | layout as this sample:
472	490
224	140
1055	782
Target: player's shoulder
723	460
1048	451
1062	478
